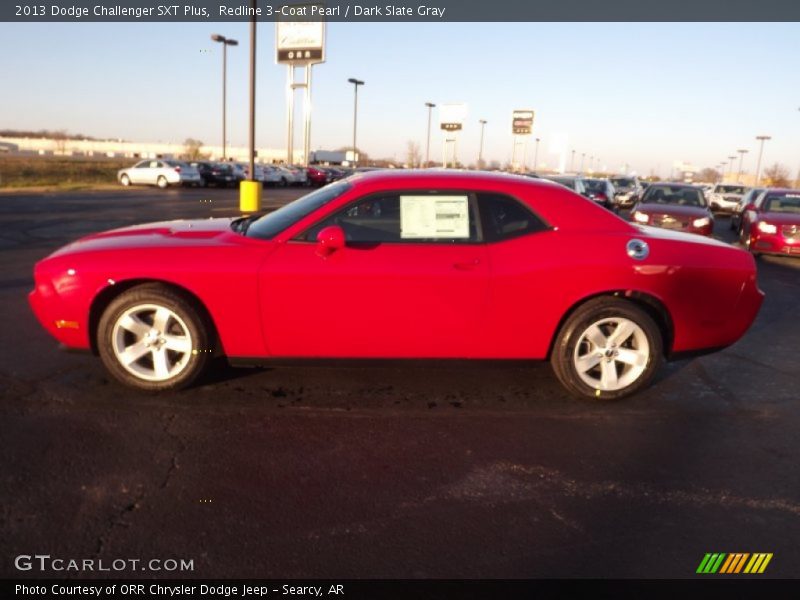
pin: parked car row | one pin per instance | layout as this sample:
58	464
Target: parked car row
167	172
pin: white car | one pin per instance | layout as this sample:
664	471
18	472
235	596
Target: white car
160	172
271	175
300	174
725	197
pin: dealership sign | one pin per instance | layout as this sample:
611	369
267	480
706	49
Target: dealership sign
300	42
522	122
451	116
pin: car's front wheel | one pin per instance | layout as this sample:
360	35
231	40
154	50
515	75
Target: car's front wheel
608	348
162	182
154	338
125	180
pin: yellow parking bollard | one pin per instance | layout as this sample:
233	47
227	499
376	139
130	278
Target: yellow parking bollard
250	196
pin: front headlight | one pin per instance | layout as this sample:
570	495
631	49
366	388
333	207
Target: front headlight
641	217
767	227
701	222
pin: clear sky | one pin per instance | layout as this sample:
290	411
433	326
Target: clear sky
642	94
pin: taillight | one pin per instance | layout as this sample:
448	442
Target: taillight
177	169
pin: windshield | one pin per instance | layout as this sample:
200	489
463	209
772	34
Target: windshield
595	185
622	182
785	203
730	189
680	196
272	224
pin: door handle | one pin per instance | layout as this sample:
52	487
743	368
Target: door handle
467	265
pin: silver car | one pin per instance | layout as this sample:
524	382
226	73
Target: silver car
160	172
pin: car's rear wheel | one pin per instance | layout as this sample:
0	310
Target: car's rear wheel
608	348
154	338
125	180
162	182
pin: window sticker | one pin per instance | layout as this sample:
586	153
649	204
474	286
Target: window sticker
432	217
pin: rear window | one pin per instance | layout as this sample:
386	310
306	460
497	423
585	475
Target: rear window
782	203
730	189
622	182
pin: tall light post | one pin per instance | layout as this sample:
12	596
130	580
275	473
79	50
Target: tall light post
762	139
730	165
572	161
741	152
536	155
723	164
356	83
430	106
480	150
583	157
225	43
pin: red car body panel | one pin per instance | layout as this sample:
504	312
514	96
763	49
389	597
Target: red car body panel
281	298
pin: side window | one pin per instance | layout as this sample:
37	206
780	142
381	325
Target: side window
504	218
143	165
405	217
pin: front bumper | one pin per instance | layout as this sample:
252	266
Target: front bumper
764	243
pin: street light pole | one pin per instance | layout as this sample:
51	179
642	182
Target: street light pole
583	156
536	155
430	106
741	152
571	161
225	43
355	83
762	139
730	168
480	151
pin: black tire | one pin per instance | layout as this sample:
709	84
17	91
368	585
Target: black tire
192	362
570	335
162	182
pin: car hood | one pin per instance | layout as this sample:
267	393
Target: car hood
780	218
673	209
163	233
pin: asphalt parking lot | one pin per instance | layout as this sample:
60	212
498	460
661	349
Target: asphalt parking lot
440	471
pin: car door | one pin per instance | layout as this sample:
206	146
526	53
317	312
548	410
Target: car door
404	285
138	174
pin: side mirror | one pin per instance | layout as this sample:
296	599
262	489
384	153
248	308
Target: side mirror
751	207
330	239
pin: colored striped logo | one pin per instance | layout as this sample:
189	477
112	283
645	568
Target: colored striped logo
737	562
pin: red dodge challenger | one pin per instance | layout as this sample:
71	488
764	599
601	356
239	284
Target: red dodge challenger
399	265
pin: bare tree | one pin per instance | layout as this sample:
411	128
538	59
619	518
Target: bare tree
60	137
708	176
412	154
192	148
776	176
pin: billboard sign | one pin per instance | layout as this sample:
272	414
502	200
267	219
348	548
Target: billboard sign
522	122
451	116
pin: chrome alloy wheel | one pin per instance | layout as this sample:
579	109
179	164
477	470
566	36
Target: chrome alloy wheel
151	342
611	354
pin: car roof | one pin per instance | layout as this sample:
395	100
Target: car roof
442	175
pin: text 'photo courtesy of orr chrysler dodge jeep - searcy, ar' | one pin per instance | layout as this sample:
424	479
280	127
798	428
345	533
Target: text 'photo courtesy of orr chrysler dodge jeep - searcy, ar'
408	265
